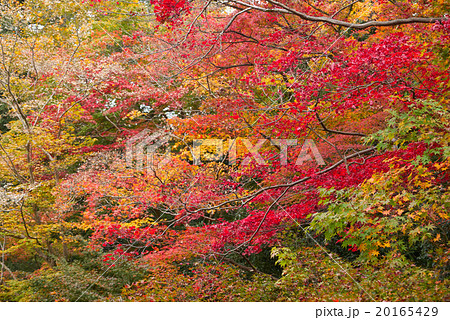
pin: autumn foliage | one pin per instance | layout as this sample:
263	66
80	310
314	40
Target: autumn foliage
326	174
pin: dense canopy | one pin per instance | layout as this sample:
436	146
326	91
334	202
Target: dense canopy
224	150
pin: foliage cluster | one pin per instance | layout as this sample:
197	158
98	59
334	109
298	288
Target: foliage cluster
250	214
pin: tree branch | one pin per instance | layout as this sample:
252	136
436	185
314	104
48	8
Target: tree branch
284	9
336	131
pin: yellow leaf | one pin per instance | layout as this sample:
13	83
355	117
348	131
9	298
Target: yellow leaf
373	253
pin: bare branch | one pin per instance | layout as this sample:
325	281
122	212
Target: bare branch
284	9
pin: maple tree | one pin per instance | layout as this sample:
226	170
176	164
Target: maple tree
367	81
